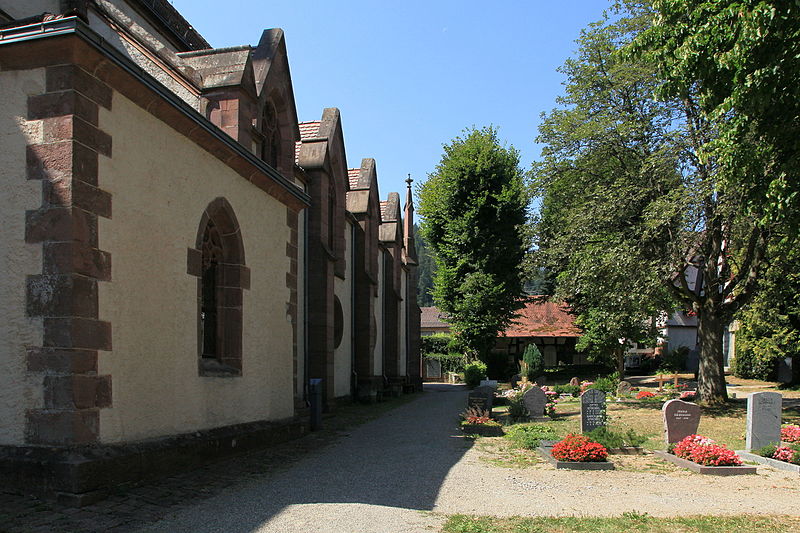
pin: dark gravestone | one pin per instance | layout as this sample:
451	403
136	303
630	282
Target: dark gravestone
593	410
481	397
515	379
624	388
785	373
541	380
680	420
763	419
535	401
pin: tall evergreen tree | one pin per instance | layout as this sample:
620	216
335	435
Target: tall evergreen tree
426	270
474	208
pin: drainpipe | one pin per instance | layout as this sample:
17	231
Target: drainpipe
353	373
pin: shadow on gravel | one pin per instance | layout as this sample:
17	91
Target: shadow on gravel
399	460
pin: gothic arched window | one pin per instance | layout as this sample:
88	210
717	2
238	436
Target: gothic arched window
271	145
218	263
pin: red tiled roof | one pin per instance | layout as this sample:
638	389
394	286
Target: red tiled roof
536	319
309	129
432	318
353	174
543	319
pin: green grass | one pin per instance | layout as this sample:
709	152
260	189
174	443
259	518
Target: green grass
630	521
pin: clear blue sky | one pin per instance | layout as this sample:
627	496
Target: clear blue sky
409	76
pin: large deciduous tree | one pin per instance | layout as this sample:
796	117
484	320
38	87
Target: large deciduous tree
474	209
634	205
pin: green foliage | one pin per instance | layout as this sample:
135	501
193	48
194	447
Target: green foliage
532	361
770	324
529	436
574	390
440	347
616	439
766	451
674	360
607	384
474	208
425	271
474	373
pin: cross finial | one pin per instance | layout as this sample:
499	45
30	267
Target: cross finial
409	181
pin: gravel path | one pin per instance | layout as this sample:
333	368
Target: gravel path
388	472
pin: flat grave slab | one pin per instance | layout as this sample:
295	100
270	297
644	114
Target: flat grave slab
769	461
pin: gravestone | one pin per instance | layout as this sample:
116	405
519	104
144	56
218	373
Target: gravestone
593	410
574	382
541	380
433	368
481	397
489	383
763	419
535	400
680	420
785	372
624	388
515	379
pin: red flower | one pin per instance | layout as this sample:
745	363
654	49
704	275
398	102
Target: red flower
644	394
790	433
706	452
579	448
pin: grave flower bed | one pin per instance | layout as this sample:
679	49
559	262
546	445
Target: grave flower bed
704	456
787	454
478	422
578	452
790	433
580	449
643	395
552	400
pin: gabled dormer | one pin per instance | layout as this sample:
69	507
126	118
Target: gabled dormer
275	129
364	204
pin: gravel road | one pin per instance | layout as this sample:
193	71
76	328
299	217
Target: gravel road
387	475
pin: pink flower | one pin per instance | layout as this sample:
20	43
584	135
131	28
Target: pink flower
790	433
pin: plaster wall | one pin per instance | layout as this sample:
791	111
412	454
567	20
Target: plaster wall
342	288
161	183
29	8
402	332
379	318
18	391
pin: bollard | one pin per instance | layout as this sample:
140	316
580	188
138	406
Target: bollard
315	398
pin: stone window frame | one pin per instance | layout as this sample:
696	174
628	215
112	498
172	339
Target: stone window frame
232	277
270	149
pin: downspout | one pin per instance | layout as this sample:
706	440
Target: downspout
353	373
305	306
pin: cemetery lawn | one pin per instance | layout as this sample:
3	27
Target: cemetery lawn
626	522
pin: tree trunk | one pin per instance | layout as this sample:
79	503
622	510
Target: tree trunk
711	376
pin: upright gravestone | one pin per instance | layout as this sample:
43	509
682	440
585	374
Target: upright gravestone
763	419
481	397
489	383
541	380
515	379
624	388
593	410
680	420
574	382
535	400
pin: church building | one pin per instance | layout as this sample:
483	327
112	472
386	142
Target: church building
182	256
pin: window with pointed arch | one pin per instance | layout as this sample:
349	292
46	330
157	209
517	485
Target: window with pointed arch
219	264
271	143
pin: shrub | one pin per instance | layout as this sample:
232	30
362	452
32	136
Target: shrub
607	384
530	436
451	362
579	448
476	415
474	373
615	439
706	452
674	360
574	390
532	362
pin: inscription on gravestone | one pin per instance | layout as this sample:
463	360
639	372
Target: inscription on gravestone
680	420
763	419
593	410
481	397
535	400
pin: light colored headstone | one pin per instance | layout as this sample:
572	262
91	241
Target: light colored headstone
481	397
763	419
433	368
680	420
489	383
575	382
624	388
593	410
535	400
